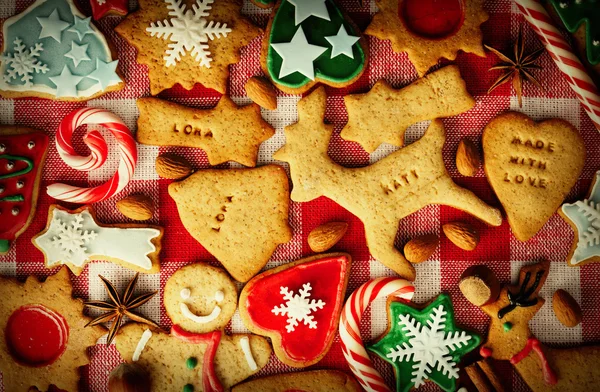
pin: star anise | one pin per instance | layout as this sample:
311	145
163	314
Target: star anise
518	68
120	306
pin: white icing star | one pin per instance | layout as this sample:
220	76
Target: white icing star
78	53
307	8
52	26
105	73
66	83
342	43
81	27
298	55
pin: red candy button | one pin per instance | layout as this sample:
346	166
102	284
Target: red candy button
36	335
433	19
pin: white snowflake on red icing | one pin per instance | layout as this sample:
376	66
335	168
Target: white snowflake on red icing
23	62
430	347
188	31
71	239
298	307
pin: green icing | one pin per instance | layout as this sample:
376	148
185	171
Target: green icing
574	14
20	172
188	388
340	69
191	362
265	2
507	326
401	337
4	246
13	198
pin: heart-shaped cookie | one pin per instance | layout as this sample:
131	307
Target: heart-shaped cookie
297	303
531	167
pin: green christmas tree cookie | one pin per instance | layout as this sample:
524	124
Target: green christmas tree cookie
424	344
311	41
575	12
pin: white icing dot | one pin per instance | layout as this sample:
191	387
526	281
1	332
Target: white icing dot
15	211
10	165
185	293
20	184
31	144
1	188
219	296
596	43
2	147
563	5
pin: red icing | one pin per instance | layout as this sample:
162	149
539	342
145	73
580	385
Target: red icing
36	335
11	225
118	7
210	381
327	278
485	352
433	19
550	377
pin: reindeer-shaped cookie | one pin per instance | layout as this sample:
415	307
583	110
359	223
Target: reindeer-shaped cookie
543	368
382	194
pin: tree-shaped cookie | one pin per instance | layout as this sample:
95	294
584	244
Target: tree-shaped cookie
578	13
43	340
52	50
22	156
311	41
382	194
429	29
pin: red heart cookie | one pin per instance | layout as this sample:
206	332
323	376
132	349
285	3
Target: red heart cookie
297	303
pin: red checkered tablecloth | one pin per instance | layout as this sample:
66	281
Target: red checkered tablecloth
498	247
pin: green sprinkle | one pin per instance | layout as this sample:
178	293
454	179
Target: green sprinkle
507	326
191	362
188	388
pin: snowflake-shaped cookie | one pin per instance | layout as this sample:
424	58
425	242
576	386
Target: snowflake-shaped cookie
188	31
298	307
23	62
72	239
425	344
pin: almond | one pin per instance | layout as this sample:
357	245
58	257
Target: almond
324	237
421	248
566	309
128	378
262	92
136	207
479	285
468	159
461	234
172	166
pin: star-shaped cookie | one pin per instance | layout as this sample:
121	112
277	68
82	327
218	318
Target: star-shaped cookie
188	41
429	30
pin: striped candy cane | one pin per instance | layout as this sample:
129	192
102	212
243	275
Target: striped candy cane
563	56
99	152
352	343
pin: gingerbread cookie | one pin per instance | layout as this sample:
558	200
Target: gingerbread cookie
424	344
531	167
309	42
227	132
43	341
509	338
200	298
22	156
51	50
74	238
240	215
314	381
383	114
183	361
584	218
188	42
296	303
381	194
429	30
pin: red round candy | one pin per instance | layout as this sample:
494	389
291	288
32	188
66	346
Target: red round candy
434	19
36	335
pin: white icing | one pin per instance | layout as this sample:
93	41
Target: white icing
185	293
188	31
219	296
200	319
298	307
141	345
245	344
342	43
24	62
307	8
76	238
298	55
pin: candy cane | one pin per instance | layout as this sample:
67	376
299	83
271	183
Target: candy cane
563	56
99	152
352	344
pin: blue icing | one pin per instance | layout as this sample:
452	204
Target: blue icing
28	29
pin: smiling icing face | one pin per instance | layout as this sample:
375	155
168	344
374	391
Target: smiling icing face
200	298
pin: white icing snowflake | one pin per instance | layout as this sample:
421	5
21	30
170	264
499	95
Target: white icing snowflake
71	239
429	346
101	2
591	211
188	31
23	62
298	307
